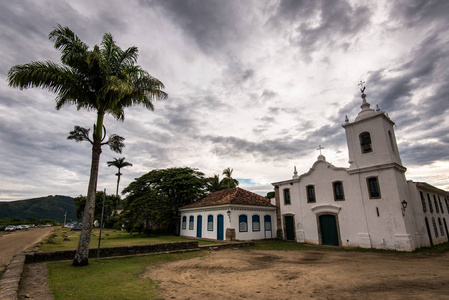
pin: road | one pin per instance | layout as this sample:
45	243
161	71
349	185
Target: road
18	241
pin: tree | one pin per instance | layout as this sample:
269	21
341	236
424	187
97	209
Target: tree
157	195
270	195
228	181
110	205
119	163
104	79
214	184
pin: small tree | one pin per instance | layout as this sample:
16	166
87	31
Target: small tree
119	163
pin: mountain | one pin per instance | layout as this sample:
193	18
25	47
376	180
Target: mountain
50	207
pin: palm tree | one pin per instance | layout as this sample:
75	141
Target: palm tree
228	181
119	163
214	184
104	79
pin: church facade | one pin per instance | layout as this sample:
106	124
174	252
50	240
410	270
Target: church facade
371	204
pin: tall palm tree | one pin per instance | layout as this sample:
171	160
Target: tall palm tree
119	163
214	184
104	79
228	181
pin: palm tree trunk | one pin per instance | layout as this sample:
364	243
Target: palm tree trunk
118	181
82	252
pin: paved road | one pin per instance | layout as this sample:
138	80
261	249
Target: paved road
18	241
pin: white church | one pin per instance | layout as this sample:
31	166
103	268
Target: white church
371	204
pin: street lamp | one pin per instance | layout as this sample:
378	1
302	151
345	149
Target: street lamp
229	215
404	206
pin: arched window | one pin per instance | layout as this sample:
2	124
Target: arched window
430	203
441	227
435	227
339	195
423	202
256	223
267	221
365	142
184	222
210	223
287	200
391	141
441	205
191	223
243	223
437	209
311	194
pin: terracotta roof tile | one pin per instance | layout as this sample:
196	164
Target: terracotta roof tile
231	196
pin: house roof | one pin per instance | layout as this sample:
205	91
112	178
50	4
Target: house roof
231	196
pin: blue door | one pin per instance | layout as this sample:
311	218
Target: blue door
199	223
220	227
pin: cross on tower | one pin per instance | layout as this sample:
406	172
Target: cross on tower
320	148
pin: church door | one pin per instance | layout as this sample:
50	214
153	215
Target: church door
329	231
199	224
289	228
220	225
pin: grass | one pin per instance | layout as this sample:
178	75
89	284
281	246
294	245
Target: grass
119	278
64	239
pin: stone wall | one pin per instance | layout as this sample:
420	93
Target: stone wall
112	251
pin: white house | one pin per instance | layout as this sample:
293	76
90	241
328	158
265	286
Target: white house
234	214
368	205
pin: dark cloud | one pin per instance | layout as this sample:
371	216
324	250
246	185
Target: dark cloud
413	13
314	25
211	24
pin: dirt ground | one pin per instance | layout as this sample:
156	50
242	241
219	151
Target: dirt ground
252	274
18	241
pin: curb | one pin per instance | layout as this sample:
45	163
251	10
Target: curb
9	283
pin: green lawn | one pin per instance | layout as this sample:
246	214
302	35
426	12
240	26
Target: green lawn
119	278
64	239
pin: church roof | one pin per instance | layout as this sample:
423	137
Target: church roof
236	196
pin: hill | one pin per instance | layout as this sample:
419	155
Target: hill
50	207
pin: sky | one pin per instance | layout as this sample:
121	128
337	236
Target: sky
256	86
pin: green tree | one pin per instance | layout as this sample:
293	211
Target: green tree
104	79
228	181
157	195
119	163
214	184
110	205
270	195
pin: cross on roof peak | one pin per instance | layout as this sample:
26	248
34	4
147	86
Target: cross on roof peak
320	148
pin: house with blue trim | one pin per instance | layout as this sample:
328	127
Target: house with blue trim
232	214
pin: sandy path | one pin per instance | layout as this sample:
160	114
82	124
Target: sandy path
253	274
18	241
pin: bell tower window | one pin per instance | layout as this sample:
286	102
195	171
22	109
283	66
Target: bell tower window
365	142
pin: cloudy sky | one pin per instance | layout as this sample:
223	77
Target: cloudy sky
253	85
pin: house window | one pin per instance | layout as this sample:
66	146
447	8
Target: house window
423	202
441	227
447	204
437	209
441	205
256	223
430	203
191	223
210	223
435	227
287	197
267	221
373	187
243	223
338	191
311	194
184	222
365	142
